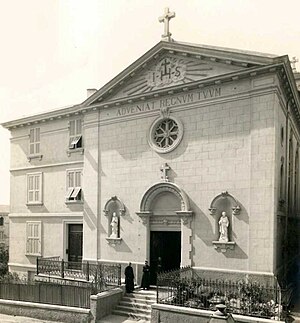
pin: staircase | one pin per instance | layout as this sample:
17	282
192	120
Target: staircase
137	305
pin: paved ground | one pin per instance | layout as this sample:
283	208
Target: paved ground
21	319
118	319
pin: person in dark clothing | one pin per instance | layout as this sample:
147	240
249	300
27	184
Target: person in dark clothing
146	276
129	278
159	265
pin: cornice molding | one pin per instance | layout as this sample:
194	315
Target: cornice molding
70	215
81	108
279	65
47	166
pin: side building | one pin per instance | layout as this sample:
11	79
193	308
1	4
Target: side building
4	226
147	165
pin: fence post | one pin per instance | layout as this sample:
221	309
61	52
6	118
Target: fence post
62	272
39	297
119	278
37	265
19	291
87	271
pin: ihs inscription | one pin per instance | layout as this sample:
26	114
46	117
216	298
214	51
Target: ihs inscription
168	70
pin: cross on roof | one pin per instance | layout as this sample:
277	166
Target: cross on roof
165	19
164	169
293	63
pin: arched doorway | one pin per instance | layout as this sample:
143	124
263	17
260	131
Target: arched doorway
165	211
165	233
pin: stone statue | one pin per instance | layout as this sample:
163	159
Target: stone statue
223	227
114	226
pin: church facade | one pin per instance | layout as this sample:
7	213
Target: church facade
190	157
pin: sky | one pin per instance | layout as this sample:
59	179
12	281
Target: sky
53	50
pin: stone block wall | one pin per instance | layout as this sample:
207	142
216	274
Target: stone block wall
228	145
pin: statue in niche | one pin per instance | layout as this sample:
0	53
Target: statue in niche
223	227
114	226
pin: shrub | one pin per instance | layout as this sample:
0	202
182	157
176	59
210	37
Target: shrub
3	261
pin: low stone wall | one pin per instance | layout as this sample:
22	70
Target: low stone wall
171	314
46	311
103	303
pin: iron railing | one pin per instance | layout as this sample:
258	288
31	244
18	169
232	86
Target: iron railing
185	288
101	276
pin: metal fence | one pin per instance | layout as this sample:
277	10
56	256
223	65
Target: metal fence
64	295
185	288
101	276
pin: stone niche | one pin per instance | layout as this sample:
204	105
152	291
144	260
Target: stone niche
114	209
223	239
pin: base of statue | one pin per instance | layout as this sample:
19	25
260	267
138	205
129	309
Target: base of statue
223	246
113	241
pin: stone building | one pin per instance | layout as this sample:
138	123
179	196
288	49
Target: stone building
4	226
146	165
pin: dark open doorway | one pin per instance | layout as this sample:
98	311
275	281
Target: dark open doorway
167	246
75	245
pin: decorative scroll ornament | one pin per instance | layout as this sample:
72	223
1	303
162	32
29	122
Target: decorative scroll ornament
114	203
235	209
145	212
165	112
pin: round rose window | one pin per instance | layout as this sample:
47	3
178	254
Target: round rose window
165	134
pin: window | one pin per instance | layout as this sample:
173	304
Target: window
165	134
34	188
33	238
1	221
74	191
2	235
75	134
34	141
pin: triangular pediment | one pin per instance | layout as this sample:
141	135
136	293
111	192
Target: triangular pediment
170	64
170	70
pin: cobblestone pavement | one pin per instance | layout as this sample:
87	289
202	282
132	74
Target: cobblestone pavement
21	319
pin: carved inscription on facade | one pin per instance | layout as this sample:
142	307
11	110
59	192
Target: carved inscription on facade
141	107
175	100
167	71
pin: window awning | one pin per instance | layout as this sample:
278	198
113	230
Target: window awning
69	193
74	141
76	192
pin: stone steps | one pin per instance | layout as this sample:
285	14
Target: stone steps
136	305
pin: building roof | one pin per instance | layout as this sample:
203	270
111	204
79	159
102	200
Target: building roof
229	49
236	61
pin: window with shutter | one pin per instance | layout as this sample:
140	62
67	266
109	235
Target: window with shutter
74	189
34	141
33	238
34	188
75	140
